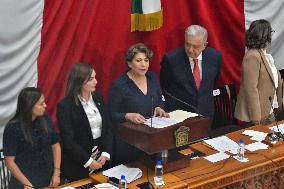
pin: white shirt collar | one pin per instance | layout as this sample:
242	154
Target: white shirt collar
90	102
199	58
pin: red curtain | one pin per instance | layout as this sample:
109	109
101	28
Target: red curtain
98	32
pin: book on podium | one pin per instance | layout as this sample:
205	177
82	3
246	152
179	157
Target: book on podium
164	143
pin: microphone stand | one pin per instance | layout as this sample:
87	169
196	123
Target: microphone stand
147	184
278	133
183	102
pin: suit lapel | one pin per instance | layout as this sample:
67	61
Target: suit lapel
98	103
266	64
205	69
188	71
80	112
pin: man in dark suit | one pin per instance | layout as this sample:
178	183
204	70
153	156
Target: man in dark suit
189	73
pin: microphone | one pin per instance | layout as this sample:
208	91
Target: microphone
278	133
183	102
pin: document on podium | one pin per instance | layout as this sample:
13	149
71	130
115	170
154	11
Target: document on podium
160	122
180	115
176	116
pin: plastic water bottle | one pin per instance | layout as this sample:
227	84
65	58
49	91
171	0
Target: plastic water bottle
122	182
241	150
158	178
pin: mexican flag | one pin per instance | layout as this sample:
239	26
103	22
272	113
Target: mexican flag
146	15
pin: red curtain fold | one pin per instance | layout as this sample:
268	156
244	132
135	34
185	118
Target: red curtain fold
98	32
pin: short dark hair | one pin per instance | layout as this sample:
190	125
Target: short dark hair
27	98
258	35
78	74
135	49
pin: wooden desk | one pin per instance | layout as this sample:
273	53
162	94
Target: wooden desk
75	183
264	170
177	183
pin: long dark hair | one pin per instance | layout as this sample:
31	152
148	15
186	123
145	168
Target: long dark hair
27	98
78	74
258	35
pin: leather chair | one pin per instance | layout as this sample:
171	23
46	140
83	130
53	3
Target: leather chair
4	173
225	99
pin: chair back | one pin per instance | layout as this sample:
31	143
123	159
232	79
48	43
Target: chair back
225	99
4	173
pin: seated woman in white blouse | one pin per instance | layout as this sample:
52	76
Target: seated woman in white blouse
84	124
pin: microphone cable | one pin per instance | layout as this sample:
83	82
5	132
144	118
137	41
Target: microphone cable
183	102
205	168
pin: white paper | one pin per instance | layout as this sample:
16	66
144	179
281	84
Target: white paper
243	160
105	186
217	157
256	146
281	128
255	135
180	115
234	151
160	122
222	144
130	174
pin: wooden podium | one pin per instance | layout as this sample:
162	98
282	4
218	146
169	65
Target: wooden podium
153	141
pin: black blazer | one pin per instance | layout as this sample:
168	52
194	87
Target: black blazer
76	136
176	78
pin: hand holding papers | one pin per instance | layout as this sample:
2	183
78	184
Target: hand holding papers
131	174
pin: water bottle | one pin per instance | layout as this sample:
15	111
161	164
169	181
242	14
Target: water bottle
241	150
158	178
122	182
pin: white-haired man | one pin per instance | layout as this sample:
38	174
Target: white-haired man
189	73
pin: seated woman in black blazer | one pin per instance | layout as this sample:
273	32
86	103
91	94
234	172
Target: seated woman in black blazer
84	125
133	96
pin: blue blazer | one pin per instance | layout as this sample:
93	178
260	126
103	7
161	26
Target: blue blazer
176	78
